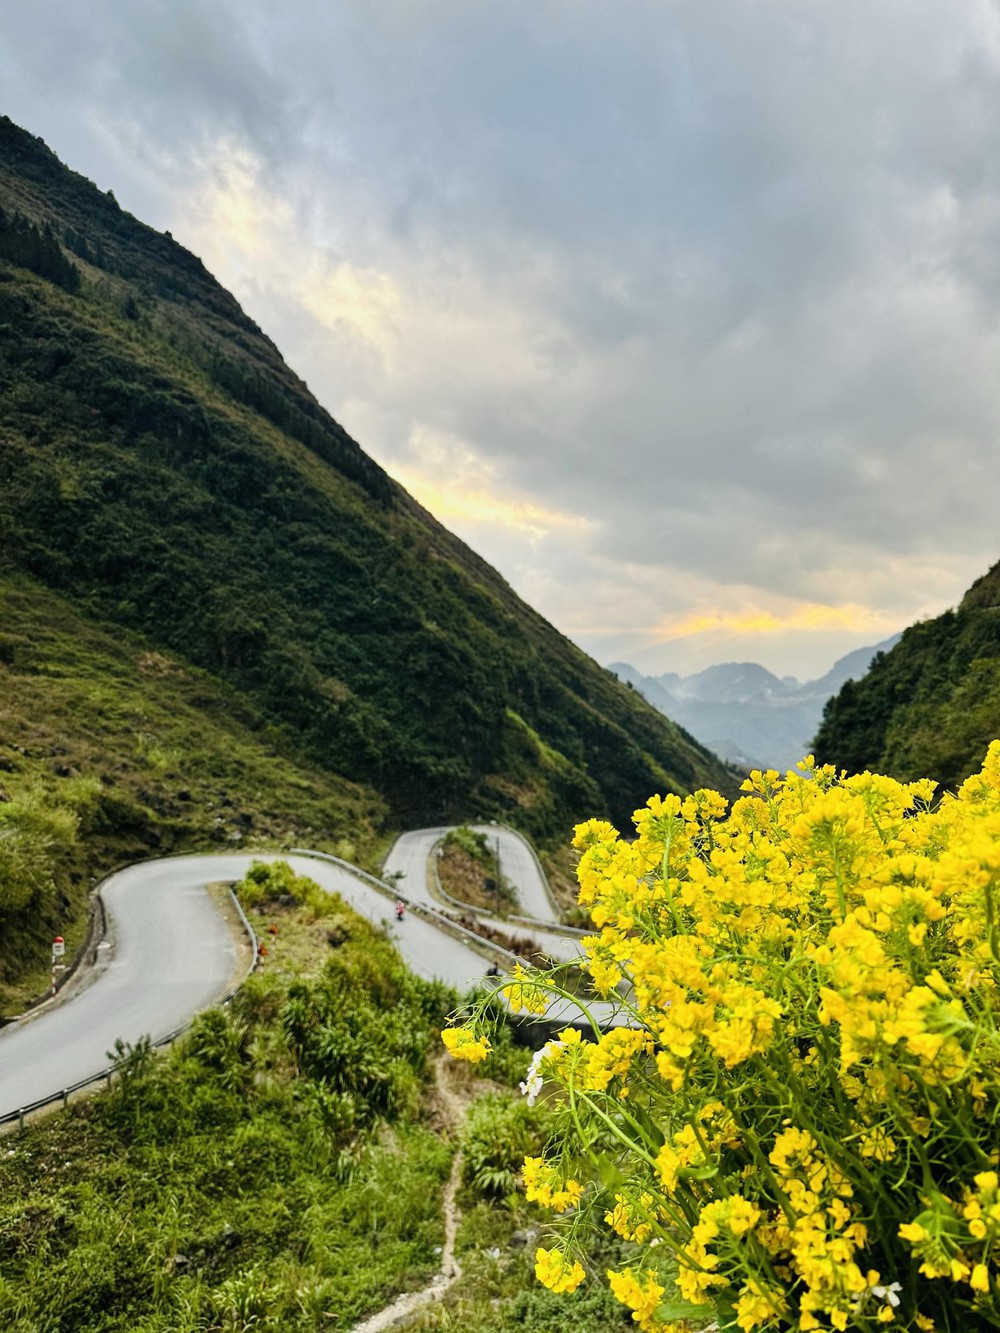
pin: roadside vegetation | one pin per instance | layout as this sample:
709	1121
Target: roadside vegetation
276	1168
283	1165
498	1291
469	870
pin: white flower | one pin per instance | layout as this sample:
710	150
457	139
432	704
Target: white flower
887	1294
532	1084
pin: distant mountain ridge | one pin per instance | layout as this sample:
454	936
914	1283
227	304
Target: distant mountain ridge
744	712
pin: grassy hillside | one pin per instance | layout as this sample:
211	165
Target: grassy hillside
110	750
161	467
278	1168
931	705
286	1165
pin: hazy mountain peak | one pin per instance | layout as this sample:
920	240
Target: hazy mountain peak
746	713
732	682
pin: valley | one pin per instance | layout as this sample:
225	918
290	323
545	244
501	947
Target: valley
744	712
233	650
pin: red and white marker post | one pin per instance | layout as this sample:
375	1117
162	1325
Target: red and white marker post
58	950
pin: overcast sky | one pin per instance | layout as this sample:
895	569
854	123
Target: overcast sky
684	313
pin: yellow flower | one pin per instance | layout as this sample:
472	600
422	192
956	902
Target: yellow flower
622	1218
980	1279
542	1185
913	1231
743	1215
734	1214
640	1292
555	1271
611	1057
523	994
593	831
696	1274
567	1197
756	1305
791	1145
463	1044
876	1143
668	1164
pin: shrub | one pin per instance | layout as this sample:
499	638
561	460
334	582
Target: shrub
497	1135
246	1299
798	1127
219	1042
471	842
267	882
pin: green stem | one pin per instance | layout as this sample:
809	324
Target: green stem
619	1134
838	879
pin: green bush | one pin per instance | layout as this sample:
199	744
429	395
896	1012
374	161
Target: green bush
473	844
267	882
498	1133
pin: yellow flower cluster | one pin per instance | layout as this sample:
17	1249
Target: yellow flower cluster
954	1238
464	1044
821	1244
811	983
858	878
593	1066
523	995
630	1218
542	1185
718	1223
696	1144
555	1270
640	1292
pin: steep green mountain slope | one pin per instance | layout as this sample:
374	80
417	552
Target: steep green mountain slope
930	706
164	470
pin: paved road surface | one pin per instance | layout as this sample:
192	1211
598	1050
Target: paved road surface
410	856
172	954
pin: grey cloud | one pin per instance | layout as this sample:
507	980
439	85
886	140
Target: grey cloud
754	245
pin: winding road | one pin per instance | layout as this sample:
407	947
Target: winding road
411	860
169	953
